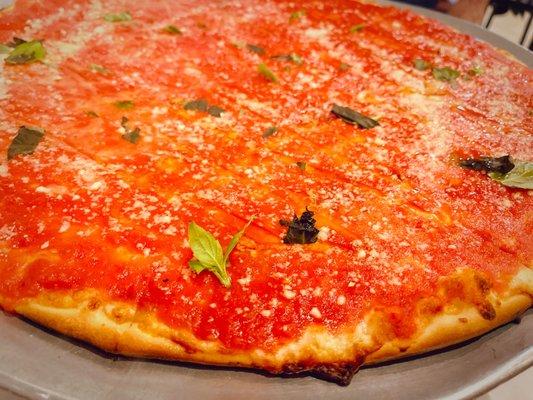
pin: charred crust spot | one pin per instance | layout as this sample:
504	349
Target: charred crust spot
339	373
487	311
93	304
463	320
482	284
183	344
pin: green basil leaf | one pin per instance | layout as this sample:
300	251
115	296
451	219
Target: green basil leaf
357	28
197	105
131	136
344	67
208	253
98	68
302	165
421	64
119	17
235	239
475	71
267	73
521	176
124	104
27	52
196	266
25	142
445	74
15	42
203	106
292	57
295	16
91	113
172	29
269	131
353	117
205	247
215	111
255	49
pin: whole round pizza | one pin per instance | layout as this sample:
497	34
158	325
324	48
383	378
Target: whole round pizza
290	186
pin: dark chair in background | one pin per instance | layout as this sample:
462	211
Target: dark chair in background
516	7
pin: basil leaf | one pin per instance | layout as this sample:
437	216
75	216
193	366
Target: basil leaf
255	49
421	64
300	230
27	52
295	16
25	142
353	117
206	249
15	42
266	72
197	105
344	67
131	136
445	74
119	17
204	106
501	165
235	239
292	57
215	111
124	104
172	29
269	131
521	176
475	71
208	253
302	165
357	28
98	68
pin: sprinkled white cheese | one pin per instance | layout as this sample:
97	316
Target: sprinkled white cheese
315	313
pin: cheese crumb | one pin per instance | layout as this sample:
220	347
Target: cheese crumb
45	245
64	226
289	294
341	300
266	313
315	313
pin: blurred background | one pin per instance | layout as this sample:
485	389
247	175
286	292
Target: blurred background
511	19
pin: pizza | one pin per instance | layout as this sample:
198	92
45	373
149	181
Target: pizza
297	187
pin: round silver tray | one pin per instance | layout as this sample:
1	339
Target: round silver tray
39	364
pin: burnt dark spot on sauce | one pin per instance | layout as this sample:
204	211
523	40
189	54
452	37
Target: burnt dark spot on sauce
300	230
501	165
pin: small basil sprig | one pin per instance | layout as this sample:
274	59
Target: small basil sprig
503	169
208	252
25	142
267	72
521	176
118	17
27	52
203	106
353	117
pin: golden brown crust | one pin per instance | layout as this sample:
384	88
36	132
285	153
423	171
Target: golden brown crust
119	328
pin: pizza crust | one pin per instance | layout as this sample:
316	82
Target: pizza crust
121	329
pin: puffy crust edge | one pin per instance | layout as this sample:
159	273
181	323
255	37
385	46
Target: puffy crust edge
120	328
